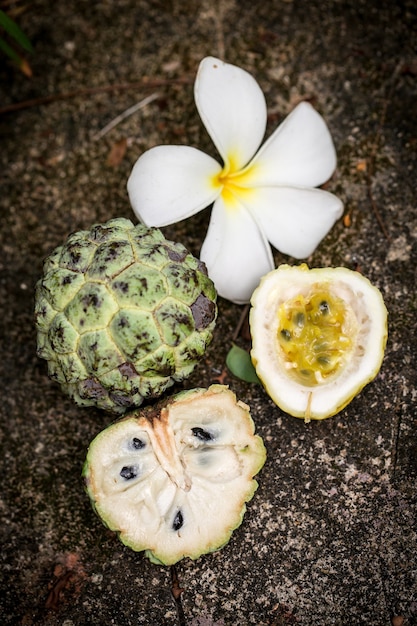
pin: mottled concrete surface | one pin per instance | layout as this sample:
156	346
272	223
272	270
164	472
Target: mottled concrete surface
331	535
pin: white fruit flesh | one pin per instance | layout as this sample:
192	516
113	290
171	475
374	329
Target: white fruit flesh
318	337
175	482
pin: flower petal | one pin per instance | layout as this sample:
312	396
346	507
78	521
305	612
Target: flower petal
295	219
170	183
300	152
233	110
235	252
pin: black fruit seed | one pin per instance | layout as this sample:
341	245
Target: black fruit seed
324	307
299	319
201	434
129	471
178	521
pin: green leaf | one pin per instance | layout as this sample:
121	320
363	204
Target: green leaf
240	365
14	31
9	51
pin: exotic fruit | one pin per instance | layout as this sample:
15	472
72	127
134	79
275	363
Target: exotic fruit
318	337
122	314
173	479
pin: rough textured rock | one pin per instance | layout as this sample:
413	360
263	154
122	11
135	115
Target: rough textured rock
331	535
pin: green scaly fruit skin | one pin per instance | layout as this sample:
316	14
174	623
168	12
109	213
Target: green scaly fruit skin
122	314
220	403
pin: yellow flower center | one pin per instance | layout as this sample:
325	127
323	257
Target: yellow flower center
316	335
234	182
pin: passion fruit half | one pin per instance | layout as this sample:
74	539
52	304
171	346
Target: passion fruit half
318	337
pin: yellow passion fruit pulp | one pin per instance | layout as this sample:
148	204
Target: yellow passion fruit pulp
318	337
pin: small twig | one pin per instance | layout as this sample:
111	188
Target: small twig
218	18
176	591
372	157
370	172
242	319
54	595
375	208
6	3
130	111
88	91
396	439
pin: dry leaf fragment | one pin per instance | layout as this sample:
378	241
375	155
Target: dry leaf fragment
117	152
25	68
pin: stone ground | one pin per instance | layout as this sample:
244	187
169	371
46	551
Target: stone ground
330	537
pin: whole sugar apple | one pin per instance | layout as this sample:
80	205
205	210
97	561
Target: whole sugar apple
121	314
173	479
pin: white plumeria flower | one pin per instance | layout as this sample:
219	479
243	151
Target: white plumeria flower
259	197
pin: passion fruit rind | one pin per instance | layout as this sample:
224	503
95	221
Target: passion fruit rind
173	480
318	337
122	314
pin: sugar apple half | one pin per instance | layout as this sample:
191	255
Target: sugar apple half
122	314
173	479
318	337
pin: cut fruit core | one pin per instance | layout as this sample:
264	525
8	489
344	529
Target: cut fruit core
316	335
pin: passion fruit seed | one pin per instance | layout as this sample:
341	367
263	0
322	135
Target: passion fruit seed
316	334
